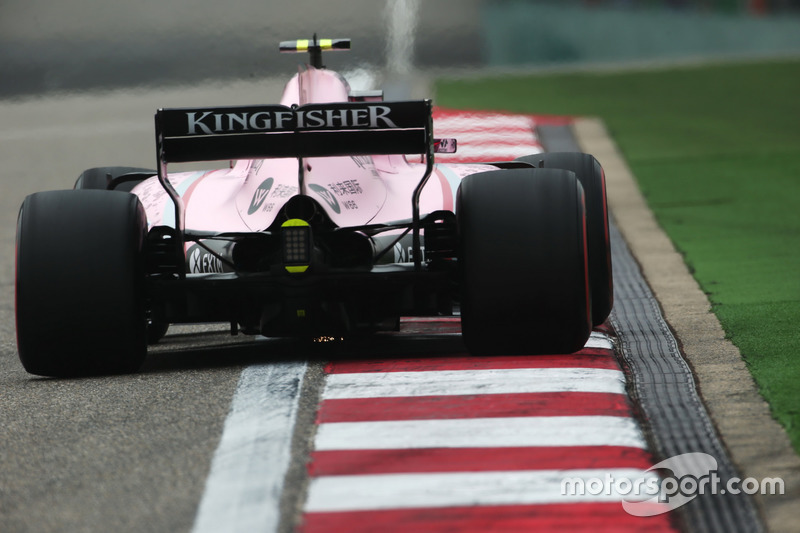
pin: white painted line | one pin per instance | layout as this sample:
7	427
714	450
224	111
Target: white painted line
463	382
397	491
243	490
481	432
599	340
483	122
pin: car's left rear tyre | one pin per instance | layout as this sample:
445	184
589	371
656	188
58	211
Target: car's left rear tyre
80	303
156	329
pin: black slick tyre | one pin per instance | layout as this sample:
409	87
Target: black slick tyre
591	176
523	262
156	329
80	283
100	177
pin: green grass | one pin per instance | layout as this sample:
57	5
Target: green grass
716	151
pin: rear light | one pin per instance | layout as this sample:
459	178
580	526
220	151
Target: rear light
296	244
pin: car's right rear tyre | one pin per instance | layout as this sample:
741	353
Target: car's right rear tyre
592	178
80	302
523	262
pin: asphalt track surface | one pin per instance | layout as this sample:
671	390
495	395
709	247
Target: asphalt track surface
88	44
128	453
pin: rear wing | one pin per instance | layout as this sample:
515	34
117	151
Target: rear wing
313	130
275	131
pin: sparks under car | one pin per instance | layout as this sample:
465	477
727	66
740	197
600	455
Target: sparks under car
332	219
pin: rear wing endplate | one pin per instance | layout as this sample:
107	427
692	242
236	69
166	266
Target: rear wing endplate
275	131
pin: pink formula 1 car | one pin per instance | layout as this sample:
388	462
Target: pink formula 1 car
332	220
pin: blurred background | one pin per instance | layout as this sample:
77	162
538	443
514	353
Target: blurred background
79	45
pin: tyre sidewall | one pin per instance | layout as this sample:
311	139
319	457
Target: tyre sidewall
522	259
592	177
80	283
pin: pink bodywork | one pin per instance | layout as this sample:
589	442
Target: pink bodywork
352	190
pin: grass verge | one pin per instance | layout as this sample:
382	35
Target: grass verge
716	151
